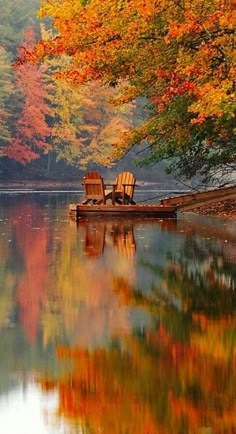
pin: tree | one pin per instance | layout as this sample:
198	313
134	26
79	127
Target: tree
85	125
31	132
16	16
176	54
6	88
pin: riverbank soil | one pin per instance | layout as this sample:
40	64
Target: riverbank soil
224	208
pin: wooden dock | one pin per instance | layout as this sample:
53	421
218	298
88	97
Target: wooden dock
77	210
167	208
187	202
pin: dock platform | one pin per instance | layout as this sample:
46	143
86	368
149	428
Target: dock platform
77	210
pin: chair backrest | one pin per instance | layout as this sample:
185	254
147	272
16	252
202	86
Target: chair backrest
126	178
94	186
92	175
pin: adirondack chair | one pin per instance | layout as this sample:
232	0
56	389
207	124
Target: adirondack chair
124	191
94	189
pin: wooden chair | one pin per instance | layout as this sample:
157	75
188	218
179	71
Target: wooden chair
125	188
94	189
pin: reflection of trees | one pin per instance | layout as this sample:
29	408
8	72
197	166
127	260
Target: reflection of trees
174	374
32	246
198	280
25	269
151	383
7	283
206	393
9	271
108	393
81	287
210	257
161	379
193	292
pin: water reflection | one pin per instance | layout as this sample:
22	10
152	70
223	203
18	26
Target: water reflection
116	326
99	235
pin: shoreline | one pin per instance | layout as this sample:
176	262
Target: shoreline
224	208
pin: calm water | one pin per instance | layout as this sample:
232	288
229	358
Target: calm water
116	327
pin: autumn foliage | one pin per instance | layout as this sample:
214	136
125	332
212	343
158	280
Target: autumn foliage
176	54
32	132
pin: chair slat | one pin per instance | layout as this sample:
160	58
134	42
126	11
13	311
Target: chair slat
125	187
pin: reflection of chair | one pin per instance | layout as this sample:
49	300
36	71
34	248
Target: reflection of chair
98	234
123	238
125	188
94	239
94	189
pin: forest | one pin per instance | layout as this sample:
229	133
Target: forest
117	83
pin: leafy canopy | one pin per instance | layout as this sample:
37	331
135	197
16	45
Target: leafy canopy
177	54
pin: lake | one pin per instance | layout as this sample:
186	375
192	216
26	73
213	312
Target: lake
116	326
